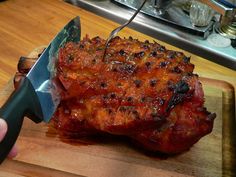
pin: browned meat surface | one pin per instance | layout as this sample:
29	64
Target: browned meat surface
140	90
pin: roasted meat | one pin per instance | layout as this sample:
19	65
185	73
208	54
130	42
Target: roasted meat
139	89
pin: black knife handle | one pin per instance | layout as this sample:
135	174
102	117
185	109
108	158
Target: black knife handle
22	102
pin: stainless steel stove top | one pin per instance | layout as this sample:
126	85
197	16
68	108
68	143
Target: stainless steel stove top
192	41
175	15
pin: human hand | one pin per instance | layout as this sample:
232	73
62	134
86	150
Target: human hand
3	130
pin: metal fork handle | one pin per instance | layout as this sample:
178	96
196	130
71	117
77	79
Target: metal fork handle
115	31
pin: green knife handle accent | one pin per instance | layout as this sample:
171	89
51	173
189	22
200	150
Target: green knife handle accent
22	102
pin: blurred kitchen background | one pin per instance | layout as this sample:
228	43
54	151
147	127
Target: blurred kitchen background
204	27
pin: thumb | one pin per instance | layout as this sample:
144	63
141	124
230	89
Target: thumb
3	129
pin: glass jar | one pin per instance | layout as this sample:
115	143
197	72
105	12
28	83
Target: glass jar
200	14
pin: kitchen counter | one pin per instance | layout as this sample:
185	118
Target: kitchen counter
28	24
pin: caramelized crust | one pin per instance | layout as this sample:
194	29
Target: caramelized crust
140	89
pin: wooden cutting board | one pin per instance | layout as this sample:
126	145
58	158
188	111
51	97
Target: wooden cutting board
43	153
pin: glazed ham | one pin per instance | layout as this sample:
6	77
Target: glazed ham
139	89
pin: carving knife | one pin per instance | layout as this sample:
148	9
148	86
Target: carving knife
37	97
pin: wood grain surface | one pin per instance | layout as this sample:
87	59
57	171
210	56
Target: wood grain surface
27	24
43	152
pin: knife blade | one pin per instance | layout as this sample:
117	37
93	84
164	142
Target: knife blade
37	97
